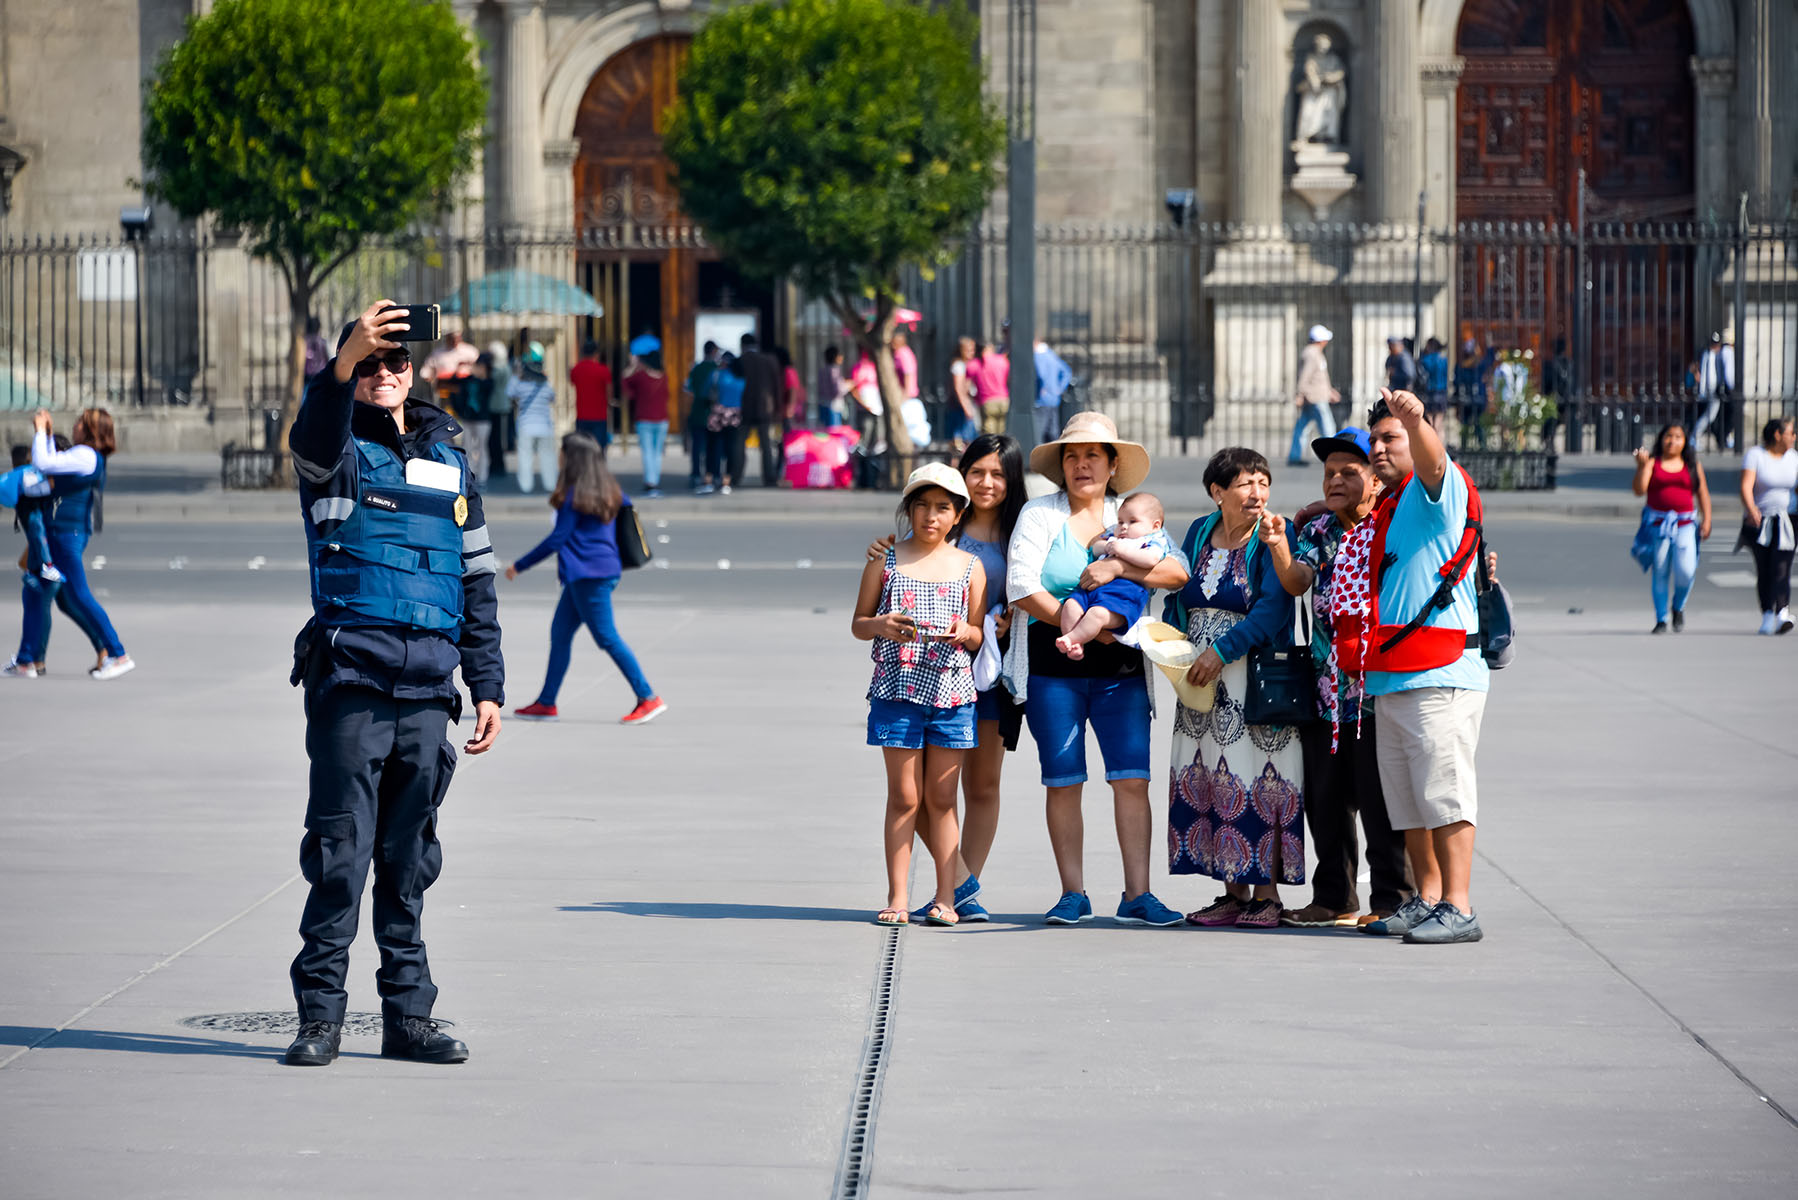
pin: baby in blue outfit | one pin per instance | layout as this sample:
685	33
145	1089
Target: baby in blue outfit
1137	540
23	489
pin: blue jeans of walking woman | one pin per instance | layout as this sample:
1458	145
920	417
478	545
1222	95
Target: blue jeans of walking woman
1675	567
588	602
652	439
73	596
1310	414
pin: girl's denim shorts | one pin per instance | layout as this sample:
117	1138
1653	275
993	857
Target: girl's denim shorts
907	725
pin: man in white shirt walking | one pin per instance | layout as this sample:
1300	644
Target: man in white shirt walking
1717	389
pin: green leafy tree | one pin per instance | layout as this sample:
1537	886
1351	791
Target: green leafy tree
838	142
311	125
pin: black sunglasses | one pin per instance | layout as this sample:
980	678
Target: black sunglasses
396	361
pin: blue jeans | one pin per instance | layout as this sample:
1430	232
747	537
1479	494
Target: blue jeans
652	439
73	596
1059	710
588	602
1319	414
1674	570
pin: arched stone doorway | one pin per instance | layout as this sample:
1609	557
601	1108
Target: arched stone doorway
645	262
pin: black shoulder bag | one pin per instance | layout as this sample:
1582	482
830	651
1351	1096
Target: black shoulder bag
633	547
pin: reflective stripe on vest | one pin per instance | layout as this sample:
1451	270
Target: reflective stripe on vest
396	559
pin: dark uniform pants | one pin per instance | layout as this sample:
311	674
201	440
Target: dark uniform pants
380	767
1336	785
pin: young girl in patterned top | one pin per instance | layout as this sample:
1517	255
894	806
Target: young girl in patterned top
920	606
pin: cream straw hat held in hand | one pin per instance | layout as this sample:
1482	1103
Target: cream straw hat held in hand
1093	428
1169	650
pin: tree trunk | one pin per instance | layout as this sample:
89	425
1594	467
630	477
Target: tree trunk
299	308
875	338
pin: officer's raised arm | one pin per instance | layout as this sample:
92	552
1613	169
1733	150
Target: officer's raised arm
321	429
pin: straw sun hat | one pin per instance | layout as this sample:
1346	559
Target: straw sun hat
1169	650
1093	428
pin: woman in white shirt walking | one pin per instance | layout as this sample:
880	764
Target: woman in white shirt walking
1769	498
535	400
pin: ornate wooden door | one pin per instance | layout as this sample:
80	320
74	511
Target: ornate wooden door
1551	87
627	211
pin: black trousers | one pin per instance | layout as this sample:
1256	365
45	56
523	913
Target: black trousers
380	768
724	452
1772	576
772	436
1336	786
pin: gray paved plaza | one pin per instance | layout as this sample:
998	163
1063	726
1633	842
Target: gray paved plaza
655	940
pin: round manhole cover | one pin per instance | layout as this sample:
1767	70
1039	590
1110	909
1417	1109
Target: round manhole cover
356	1024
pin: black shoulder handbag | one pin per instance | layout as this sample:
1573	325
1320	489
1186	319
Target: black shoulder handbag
1282	687
633	547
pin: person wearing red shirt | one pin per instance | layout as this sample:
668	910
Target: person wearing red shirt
592	381
645	388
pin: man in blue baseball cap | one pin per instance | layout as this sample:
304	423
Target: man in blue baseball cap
1342	773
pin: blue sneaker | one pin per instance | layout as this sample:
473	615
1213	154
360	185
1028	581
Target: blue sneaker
972	910
1071	909
966	891
1146	910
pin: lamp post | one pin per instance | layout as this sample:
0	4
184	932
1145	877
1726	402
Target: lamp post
135	222
1020	234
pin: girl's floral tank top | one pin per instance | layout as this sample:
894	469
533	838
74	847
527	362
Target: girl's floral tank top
932	672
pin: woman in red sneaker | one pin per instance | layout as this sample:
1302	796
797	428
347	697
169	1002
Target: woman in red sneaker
588	502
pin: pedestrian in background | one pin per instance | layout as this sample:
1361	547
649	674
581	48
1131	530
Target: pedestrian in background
1432	370
1053	378
645	389
725	425
830	388
762	410
1676	518
592	381
1557	386
697	392
964	410
992	389
1401	368
477	417
1769	498
317	352
1314	396
1716	391
534	402
1106	688
588	504
402	595
499	405
920	607
792	393
1471	371
1233	605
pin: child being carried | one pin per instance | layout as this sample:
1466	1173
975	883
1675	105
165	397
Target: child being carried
26	490
1137	540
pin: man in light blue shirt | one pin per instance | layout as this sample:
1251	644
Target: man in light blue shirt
1428	721
1052	379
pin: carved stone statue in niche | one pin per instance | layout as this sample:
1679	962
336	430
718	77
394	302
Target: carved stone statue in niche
1323	94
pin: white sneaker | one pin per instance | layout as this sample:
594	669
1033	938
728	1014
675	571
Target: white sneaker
1783	621
112	668
49	574
725	490
14	669
1768	621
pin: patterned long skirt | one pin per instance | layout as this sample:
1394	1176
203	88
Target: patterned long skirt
1236	801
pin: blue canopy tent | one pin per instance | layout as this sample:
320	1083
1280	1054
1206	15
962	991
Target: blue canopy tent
516	292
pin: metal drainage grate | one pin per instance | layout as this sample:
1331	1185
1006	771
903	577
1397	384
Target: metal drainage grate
356	1024
856	1161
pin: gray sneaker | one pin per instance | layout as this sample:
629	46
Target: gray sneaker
1412	912
1444	925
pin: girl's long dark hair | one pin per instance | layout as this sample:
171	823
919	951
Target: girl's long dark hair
1689	455
585	477
1011	462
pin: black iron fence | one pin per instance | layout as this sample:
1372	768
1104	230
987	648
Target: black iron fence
1188	337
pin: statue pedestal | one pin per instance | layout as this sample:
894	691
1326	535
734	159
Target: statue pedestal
1323	176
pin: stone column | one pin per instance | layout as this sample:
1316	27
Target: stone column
521	141
1764	55
1396	179
1716	82
1441	81
471	200
1259	135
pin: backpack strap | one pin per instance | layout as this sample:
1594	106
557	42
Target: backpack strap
1471	552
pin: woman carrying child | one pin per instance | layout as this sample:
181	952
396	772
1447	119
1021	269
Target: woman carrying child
588	503
919	606
1136	540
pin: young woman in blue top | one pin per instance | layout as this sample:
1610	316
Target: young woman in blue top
588	503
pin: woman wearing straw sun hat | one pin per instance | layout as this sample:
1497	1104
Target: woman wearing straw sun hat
1048	560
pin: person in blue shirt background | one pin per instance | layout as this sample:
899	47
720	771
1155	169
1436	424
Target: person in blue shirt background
1432	368
1053	377
588	504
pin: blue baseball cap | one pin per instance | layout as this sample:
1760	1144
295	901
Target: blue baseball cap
1348	440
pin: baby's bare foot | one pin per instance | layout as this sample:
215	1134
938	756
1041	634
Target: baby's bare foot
1068	646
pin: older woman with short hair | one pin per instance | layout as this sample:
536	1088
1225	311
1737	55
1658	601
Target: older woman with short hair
1235	798
1047	562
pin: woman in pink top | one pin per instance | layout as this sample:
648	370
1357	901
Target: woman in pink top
993	389
645	390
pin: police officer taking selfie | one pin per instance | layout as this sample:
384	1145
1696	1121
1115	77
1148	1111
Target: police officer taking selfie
402	594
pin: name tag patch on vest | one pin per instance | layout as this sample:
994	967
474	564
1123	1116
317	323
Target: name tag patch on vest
378	500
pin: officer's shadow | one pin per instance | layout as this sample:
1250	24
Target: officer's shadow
138	1043
717	912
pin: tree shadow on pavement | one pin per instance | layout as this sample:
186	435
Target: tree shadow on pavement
141	1043
719	912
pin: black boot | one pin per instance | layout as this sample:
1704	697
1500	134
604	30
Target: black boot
317	1044
419	1039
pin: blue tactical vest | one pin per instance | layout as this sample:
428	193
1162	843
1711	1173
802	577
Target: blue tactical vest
396	559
